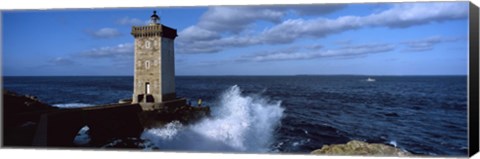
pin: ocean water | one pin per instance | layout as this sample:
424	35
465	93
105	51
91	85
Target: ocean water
288	114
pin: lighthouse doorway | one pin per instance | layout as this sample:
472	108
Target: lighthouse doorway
147	88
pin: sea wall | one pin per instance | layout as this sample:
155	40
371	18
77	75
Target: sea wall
30	122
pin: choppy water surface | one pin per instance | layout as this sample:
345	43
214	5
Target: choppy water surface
294	114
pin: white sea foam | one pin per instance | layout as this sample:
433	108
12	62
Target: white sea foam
72	105
167	132
393	142
82	137
300	142
239	123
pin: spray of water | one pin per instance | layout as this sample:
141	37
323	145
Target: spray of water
72	105
243	123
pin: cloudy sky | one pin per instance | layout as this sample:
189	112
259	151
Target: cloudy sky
367	39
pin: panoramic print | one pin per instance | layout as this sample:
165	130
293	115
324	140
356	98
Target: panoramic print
380	79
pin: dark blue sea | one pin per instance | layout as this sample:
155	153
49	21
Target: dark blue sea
289	114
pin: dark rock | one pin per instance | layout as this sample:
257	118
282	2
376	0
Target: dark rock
130	143
20	118
14	103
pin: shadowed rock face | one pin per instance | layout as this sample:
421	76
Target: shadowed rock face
14	103
29	122
20	118
355	147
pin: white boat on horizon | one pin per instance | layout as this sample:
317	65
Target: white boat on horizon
370	79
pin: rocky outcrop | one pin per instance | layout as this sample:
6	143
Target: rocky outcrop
15	103
20	118
355	147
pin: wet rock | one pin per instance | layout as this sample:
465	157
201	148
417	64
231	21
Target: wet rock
355	147
130	143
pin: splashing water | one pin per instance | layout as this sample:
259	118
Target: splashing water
393	143
72	105
168	131
239	123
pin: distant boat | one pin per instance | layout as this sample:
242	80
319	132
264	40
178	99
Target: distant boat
370	79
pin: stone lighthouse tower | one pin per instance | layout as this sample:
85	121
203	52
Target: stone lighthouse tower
154	80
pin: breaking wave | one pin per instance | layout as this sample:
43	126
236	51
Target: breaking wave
72	105
239	123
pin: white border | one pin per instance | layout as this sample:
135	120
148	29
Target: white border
51	4
107	154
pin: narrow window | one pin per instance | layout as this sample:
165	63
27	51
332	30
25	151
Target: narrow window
147	88
147	64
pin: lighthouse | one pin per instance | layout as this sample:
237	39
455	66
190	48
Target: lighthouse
154	66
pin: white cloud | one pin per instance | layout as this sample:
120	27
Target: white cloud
427	44
293	29
410	14
105	33
118	51
316	9
314	46
202	37
130	21
235	19
208	36
214	45
399	16
61	61
194	33
296	53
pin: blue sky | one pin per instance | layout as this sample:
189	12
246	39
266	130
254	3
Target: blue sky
365	39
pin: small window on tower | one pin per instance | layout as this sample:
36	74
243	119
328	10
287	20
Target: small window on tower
148	44
147	64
